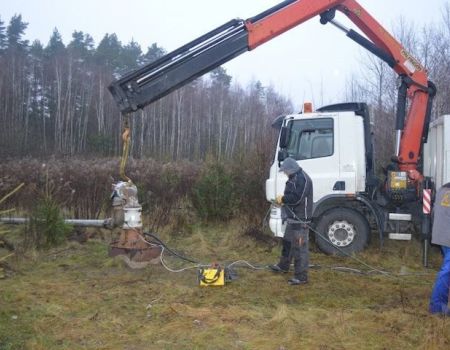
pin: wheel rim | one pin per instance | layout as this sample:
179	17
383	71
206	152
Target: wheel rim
341	233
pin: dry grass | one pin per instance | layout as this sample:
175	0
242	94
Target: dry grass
78	298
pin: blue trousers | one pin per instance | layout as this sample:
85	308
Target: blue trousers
439	296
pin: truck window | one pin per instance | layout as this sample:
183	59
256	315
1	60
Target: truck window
311	138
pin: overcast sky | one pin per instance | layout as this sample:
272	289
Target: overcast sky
310	62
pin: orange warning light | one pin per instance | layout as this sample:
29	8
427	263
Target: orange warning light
307	107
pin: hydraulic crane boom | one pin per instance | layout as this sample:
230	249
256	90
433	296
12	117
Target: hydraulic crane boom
155	80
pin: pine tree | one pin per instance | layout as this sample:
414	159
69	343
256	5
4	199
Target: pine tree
15	31
220	78
130	57
55	45
153	53
109	51
15	79
82	46
2	36
37	101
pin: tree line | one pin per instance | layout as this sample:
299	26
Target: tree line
54	98
54	101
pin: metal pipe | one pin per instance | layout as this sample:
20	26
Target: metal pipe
14	221
74	222
425	250
398	138
89	223
340	26
361	40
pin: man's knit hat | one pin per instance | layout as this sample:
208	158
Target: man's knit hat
289	166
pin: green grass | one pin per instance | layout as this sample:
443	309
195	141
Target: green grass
75	297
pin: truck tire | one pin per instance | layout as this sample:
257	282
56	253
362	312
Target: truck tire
343	228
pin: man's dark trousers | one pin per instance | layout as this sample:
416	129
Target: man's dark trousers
296	247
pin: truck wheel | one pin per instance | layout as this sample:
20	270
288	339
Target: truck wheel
343	228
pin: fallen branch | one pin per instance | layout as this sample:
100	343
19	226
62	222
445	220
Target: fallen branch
6	256
12	192
8	245
3	212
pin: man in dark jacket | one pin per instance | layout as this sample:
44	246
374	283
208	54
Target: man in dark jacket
296	211
441	236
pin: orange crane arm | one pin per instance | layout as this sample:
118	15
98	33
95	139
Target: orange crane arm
410	128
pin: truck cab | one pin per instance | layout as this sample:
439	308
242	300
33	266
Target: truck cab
333	145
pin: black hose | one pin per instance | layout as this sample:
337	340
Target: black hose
168	249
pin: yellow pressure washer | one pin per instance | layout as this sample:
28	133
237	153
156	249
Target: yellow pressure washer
211	276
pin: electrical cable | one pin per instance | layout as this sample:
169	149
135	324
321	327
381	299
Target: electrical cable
164	247
178	270
382	272
265	221
168	249
245	263
369	272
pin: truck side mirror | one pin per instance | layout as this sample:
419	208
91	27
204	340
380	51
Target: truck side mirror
285	136
282	155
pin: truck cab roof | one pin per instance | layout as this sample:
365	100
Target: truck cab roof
359	108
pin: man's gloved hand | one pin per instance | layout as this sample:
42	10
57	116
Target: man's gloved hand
279	200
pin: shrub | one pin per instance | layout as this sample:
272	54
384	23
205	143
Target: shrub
163	188
46	227
213	195
250	174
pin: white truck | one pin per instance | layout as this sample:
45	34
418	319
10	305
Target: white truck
334	146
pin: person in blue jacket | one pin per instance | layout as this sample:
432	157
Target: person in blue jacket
441	235
296	208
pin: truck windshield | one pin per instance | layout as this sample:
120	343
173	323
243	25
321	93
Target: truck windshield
311	138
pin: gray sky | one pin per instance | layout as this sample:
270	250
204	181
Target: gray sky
310	62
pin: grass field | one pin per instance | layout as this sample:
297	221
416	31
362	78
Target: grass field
75	297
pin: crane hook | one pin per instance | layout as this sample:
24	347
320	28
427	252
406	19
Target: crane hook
126	138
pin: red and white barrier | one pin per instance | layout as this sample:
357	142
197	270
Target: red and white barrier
427	201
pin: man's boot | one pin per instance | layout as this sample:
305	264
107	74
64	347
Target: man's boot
282	266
